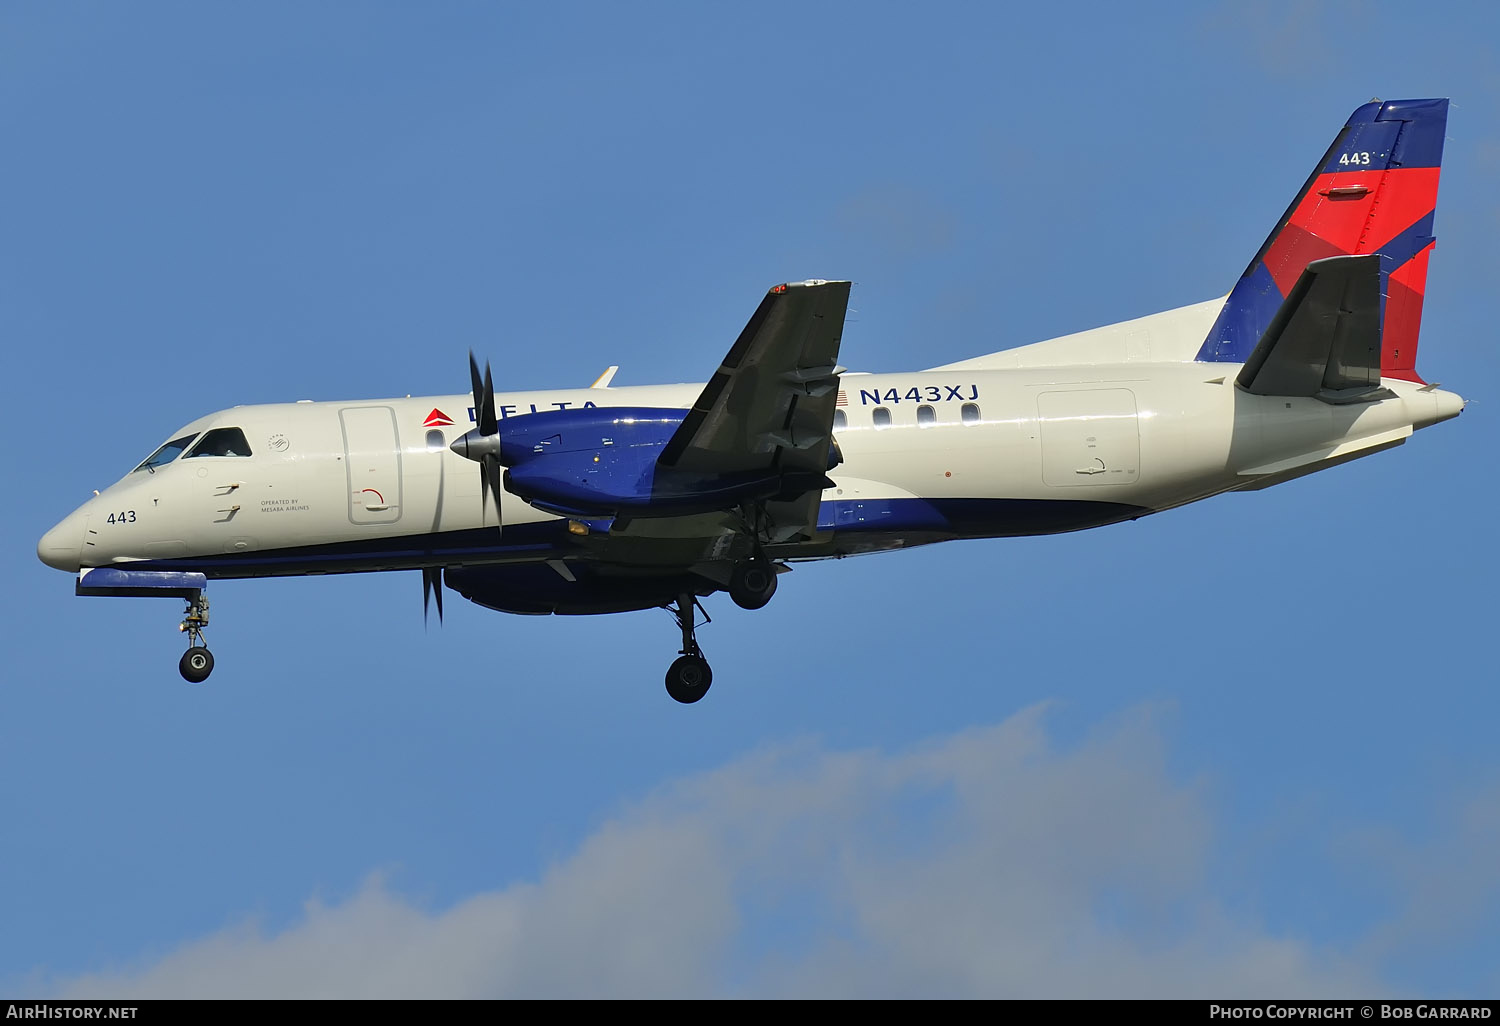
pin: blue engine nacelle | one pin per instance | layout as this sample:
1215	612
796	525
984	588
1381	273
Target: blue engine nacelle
604	462
537	589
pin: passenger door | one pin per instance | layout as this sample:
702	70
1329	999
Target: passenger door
372	456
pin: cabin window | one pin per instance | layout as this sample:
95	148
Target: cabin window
435	441
167	453
970	413
882	417
221	442
926	416
840	420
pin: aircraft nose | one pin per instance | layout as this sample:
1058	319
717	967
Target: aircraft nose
61	547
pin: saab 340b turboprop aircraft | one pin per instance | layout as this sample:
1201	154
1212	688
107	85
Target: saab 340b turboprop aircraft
614	499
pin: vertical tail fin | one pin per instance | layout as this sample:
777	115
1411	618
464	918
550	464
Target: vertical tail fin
1374	191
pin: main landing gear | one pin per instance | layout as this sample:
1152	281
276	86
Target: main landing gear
197	662
752	582
689	677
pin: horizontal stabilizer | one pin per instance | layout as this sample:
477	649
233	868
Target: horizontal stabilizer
1324	341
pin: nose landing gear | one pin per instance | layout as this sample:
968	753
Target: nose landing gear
689	677
112	582
197	662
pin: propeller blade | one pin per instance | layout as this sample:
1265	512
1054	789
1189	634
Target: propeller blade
492	484
478	384
484	396
432	585
487	424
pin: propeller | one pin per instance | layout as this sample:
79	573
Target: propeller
482	445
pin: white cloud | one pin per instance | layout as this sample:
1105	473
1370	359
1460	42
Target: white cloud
984	864
1446	886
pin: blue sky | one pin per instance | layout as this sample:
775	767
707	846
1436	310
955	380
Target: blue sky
1244	747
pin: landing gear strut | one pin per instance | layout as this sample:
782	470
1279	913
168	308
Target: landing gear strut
689	677
197	662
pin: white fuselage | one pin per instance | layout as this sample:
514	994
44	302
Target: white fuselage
927	456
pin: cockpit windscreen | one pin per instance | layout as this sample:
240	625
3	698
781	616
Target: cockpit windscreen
166	454
228	441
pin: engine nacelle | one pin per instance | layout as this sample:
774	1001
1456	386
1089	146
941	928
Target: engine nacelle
604	462
537	589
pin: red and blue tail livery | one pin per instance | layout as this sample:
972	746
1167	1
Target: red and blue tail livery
1374	191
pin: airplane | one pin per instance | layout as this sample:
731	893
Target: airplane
607	499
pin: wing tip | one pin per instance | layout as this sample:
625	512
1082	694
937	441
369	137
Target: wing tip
807	283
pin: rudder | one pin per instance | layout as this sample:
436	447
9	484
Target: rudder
1374	191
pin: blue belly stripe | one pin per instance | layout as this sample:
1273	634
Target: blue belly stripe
863	524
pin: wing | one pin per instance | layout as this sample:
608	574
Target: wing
770	404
